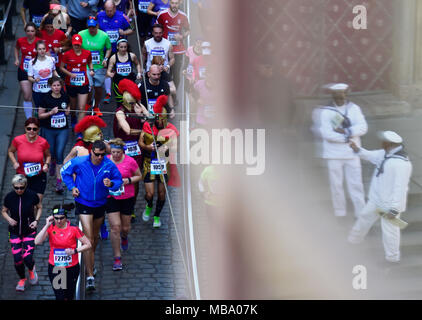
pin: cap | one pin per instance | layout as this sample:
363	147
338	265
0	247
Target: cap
206	48
77	39
92	22
337	86
390	136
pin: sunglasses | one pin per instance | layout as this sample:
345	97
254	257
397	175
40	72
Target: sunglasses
19	188
31	129
99	154
59	218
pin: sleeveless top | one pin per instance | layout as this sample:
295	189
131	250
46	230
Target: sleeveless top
124	70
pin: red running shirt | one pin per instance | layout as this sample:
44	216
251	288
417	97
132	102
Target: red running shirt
61	239
53	41
28	51
77	64
174	25
30	155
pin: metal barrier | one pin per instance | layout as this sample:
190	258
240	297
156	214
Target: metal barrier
80	284
6	32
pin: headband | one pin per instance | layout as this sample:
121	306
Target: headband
122	40
60	211
115	146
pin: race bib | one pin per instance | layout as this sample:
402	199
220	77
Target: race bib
113	35
158	167
42	85
189	70
58	120
26	63
79	80
95	57
123	69
209	111
37	20
31	168
61	259
54	56
172	38
143	6
118	192
202	71
158	53
132	148
151	103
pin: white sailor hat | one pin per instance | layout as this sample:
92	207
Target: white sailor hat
390	136
337	86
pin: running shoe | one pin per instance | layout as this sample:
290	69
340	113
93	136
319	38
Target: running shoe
147	213
117	265
157	222
52	169
104	231
21	285
107	98
98	112
59	187
125	244
33	276
90	283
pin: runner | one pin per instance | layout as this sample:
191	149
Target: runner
143	20
124	64
158	46
33	156
61	20
76	61
89	127
128	122
37	10
121	204
53	113
97	42
79	11
21	204
63	260
155	88
157	168
165	75
40	70
154	8
95	176
116	25
176	29
52	38
26	46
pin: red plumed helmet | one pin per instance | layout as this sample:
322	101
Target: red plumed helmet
89	121
160	103
131	87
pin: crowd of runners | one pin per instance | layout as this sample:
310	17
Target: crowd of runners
75	57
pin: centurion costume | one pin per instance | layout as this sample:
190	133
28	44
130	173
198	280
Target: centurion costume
158	166
89	126
128	96
162	132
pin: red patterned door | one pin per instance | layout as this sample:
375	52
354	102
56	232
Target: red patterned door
314	42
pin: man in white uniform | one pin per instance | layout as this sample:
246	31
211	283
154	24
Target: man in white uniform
339	124
387	193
